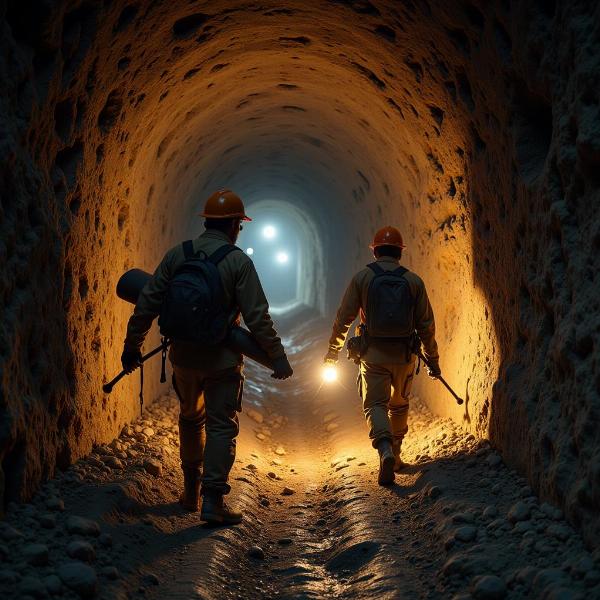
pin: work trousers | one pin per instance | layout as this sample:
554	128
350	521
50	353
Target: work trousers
208	422
385	389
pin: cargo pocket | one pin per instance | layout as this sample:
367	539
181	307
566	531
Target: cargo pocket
236	391
408	385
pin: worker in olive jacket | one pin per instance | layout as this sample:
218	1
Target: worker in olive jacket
208	377
393	305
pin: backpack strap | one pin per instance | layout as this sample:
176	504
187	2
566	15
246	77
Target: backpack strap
379	270
188	249
220	253
376	268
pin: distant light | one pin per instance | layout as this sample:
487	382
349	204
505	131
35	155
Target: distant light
329	373
282	258
269	232
250	251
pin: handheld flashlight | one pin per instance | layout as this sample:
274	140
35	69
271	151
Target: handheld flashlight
329	373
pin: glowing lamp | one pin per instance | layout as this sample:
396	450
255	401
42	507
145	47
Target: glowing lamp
282	258
269	232
250	251
329	373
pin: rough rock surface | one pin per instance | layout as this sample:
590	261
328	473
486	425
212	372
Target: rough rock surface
473	127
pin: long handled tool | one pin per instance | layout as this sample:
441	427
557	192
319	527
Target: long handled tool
108	387
458	399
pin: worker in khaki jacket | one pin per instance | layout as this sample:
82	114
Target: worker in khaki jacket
392	303
209	380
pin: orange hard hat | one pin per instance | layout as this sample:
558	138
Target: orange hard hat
224	204
388	236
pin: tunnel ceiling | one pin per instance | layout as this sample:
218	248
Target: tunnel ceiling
471	126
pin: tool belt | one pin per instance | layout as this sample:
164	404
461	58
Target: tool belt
358	345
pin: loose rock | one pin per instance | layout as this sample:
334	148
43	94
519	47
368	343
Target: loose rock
53	584
80	578
286	541
493	460
435	491
9	533
467	533
83	551
113	462
110	573
152	466
36	554
55	503
32	586
519	512
256	552
48	521
489	587
151	579
256	416
81	526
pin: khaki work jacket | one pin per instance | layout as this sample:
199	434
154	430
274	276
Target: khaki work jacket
244	297
354	303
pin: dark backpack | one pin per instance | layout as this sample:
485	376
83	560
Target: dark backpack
390	305
192	310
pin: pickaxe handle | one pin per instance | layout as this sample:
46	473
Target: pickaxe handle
458	399
108	387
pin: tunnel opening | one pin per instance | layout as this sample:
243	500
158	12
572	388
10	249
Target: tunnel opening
347	116
287	251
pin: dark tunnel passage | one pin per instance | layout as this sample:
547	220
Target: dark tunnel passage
471	126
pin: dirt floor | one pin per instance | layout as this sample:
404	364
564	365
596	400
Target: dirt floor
457	524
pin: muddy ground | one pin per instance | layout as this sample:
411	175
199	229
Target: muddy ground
457	523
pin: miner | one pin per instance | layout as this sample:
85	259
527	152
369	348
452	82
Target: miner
198	291
395	316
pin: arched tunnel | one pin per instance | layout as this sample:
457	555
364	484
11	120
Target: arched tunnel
473	127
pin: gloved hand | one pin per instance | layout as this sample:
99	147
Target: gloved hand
131	359
434	371
331	357
282	368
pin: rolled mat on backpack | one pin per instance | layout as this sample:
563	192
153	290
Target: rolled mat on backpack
239	339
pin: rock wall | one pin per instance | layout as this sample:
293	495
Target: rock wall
473	127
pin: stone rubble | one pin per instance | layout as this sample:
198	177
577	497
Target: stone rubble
493	540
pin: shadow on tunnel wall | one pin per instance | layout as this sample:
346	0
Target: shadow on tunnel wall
534	247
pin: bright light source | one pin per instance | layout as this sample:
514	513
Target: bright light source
329	373
269	232
250	251
282	258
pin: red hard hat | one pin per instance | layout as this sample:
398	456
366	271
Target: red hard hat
388	236
224	204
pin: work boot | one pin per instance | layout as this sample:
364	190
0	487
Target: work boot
190	497
216	512
386	463
399	464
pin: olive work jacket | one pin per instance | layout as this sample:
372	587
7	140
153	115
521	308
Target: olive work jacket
355	302
244	296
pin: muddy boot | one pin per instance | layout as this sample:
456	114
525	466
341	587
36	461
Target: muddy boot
386	463
190	497
216	512
399	464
